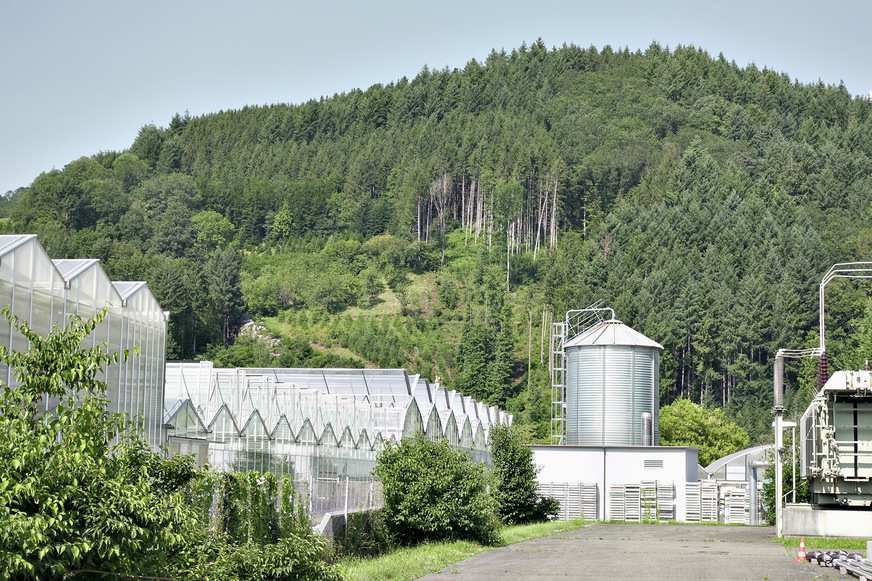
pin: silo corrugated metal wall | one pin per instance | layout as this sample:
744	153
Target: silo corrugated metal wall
608	387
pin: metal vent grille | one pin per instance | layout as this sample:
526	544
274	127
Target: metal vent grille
653	464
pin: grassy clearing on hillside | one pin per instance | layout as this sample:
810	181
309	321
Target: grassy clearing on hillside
414	562
342	352
386	304
421	298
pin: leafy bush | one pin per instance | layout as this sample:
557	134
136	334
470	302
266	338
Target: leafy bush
434	492
515	487
684	423
293	558
70	500
73	504
366	535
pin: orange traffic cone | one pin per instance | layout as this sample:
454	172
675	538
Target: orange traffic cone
801	557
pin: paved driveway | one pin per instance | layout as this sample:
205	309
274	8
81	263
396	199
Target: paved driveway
638	551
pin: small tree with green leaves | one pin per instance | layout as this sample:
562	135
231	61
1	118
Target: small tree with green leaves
684	423
82	494
434	492
72	501
515	487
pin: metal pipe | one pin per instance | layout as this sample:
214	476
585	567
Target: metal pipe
778	381
839	270
778	409
647	428
779	449
753	503
752	495
793	448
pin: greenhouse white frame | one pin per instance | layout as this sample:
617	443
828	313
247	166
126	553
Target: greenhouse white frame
46	293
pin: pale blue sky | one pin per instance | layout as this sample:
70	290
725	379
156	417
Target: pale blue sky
83	76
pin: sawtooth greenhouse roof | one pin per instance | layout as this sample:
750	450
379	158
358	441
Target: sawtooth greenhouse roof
282	409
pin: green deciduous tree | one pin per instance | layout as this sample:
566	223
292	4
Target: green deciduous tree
515	487
684	423
213	230
71	500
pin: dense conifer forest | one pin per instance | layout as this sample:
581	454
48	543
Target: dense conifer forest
440	223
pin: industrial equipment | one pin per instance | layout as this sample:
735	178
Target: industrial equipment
836	454
606	382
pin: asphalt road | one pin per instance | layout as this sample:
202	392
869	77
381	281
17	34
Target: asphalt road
641	551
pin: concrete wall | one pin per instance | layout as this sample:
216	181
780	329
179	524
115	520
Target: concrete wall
335	523
618	465
805	520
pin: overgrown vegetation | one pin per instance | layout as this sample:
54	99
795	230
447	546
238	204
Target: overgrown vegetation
81	493
434	492
515	484
684	423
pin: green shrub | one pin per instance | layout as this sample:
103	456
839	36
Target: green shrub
71	500
75	505
293	558
365	535
434	492
515	487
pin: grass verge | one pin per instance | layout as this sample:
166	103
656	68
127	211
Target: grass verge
825	544
414	562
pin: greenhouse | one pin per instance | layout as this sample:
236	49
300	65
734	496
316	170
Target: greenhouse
46	293
322	427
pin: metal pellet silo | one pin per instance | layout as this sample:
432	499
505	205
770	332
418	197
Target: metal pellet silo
612	380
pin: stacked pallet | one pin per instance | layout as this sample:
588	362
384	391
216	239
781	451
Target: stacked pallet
708	502
570	503
648	496
736	507
632	503
701	502
665	501
617	502
692	502
589	497
577	500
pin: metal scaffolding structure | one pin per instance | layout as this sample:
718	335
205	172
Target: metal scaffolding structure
576	322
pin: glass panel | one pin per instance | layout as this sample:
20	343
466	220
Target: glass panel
42	285
7	286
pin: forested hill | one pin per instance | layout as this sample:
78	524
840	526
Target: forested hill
435	222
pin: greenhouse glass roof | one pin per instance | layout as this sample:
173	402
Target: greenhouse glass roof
371	405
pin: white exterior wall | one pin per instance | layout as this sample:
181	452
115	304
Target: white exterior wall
607	466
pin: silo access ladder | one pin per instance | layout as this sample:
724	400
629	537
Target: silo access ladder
576	322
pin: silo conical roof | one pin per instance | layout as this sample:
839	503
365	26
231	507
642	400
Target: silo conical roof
612	332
